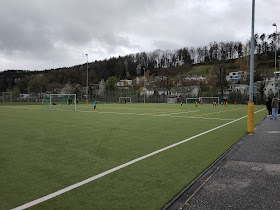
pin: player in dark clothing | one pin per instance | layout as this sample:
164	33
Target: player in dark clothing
70	100
268	105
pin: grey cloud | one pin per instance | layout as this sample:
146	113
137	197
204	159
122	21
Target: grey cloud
54	33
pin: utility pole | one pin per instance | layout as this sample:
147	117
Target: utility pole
274	24
250	118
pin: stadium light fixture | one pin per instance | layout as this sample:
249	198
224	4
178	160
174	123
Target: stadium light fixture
274	24
87	81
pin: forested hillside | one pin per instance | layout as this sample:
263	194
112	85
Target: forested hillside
184	61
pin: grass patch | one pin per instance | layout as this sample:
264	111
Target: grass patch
45	151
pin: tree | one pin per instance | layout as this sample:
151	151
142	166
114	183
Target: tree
138	69
37	83
186	56
67	89
218	77
111	83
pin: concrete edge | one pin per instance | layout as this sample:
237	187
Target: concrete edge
189	191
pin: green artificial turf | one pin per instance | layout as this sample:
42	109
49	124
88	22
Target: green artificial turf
44	151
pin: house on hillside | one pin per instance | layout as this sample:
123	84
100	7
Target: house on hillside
124	84
188	91
269	84
162	91
148	91
235	77
195	77
238	88
161	78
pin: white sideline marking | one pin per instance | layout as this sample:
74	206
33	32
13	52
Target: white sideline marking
71	187
159	115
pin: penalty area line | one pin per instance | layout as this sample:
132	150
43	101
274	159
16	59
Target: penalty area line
71	187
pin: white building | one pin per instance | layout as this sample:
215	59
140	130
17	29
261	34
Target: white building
195	78
269	84
188	91
148	91
235	77
238	88
125	83
161	78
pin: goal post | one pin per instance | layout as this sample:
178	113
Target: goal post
7	97
191	100
209	99
124	100
62	102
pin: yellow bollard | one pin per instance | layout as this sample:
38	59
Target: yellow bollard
86	101
250	118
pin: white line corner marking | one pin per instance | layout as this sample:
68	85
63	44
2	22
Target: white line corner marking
71	187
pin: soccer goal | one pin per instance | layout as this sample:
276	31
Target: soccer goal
124	100
7	97
62	102
208	100
191	100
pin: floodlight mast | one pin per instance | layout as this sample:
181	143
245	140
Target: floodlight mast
250	119
279	74
87	82
252	54
274	24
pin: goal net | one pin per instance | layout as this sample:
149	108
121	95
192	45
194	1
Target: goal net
63	102
124	100
209	100
191	100
7	97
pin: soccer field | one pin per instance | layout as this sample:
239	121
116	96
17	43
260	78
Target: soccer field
44	151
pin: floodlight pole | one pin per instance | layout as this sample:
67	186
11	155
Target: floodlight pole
144	86
87	82
250	119
278	77
279	62
252	54
274	24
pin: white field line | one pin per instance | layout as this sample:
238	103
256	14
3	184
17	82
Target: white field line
110	107
19	107
120	113
159	115
24	107
71	187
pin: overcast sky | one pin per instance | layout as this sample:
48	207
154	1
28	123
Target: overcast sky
44	34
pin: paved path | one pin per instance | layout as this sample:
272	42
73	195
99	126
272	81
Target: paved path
250	179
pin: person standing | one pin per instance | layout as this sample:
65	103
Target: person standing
94	106
275	107
268	105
